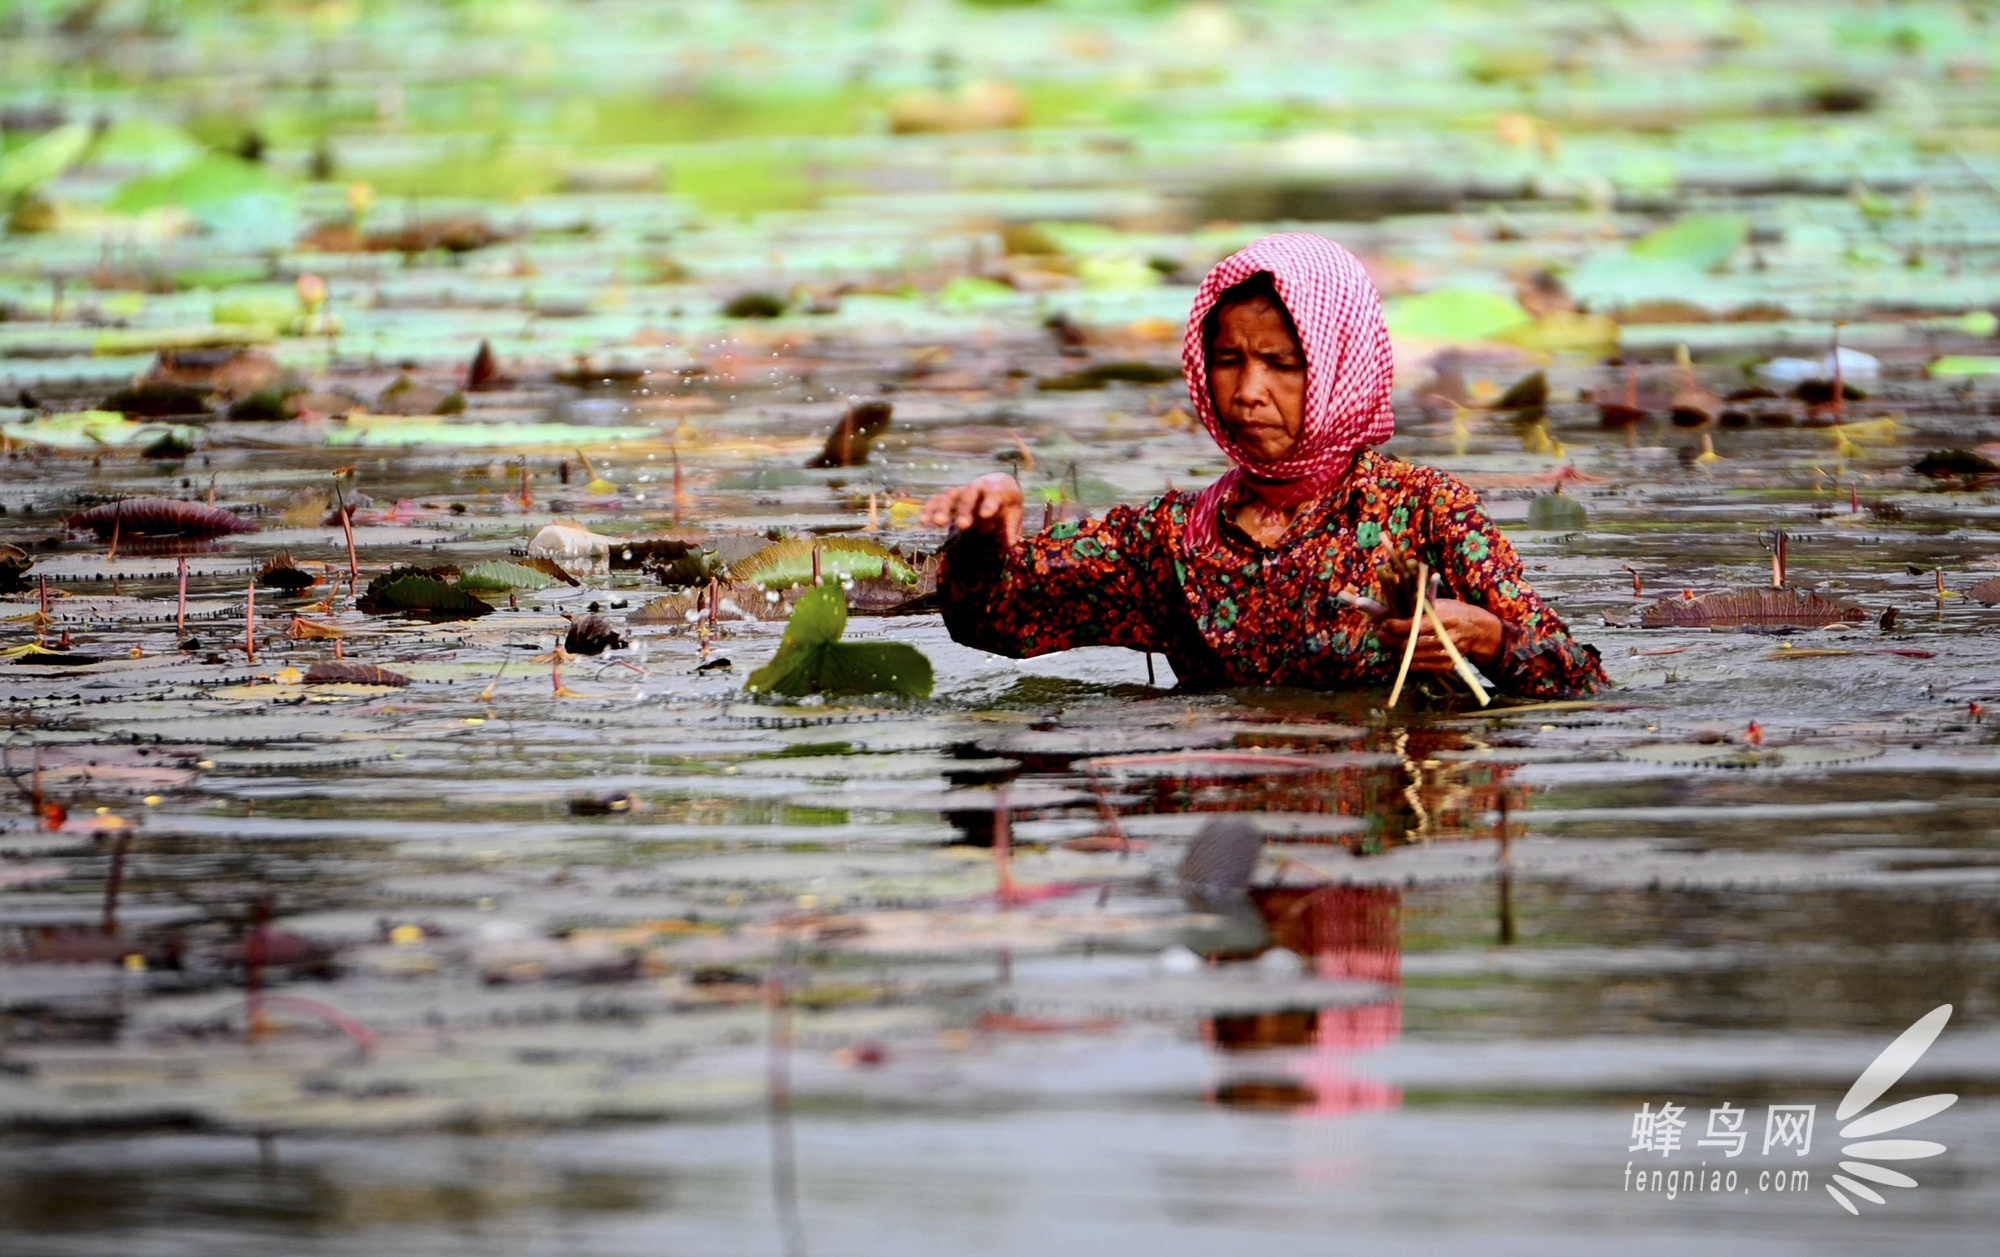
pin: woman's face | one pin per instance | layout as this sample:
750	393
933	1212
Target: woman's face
1257	377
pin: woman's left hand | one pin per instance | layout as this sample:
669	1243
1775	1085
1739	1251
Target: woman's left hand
1474	630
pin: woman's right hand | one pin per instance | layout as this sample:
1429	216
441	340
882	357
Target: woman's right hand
990	504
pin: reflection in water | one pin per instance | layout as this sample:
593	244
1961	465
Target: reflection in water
1301	1059
1342	932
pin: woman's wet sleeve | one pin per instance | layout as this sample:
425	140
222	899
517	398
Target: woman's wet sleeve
1088	584
1538	656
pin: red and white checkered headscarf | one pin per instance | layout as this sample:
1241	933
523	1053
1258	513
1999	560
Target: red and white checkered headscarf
1349	370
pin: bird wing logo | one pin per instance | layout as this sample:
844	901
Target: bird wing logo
1882	1074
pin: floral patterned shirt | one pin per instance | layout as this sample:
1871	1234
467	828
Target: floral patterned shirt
1245	614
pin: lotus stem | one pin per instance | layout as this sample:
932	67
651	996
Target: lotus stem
1373	609
1465	671
680	494
255	949
1839	383
1416	630
347	527
114	881
486	694
1002	851
353	1028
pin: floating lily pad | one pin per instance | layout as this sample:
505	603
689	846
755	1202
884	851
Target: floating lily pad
1064	745
1818	756
208	179
1701	241
1945	464
813	660
1960	365
787	563
414	592
1102	374
1553	512
1732	755
248	729
342	755
159	517
338	672
1706	754
1760	607
281	573
92	430
1455	314
43	158
499	576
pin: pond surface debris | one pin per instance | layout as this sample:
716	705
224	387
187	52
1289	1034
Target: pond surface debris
421	422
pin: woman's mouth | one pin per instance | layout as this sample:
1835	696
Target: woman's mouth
1257	431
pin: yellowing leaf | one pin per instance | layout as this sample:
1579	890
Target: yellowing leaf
1564	330
1698	240
1455	314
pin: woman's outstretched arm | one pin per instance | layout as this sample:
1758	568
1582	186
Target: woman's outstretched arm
1086	584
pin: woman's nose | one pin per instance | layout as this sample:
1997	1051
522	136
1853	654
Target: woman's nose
1253	385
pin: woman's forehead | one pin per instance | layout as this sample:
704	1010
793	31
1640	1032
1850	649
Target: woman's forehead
1253	315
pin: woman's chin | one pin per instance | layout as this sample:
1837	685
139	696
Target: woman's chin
1274	449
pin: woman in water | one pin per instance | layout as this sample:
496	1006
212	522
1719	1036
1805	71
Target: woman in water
1288	365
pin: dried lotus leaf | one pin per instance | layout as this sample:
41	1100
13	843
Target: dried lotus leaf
281	573
593	635
666	609
339	672
1759	607
159	517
